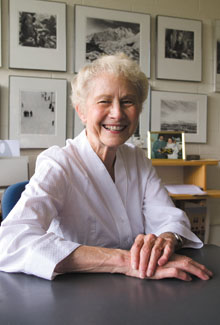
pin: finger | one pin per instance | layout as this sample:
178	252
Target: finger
135	251
198	270
156	252
189	265
167	253
145	254
170	272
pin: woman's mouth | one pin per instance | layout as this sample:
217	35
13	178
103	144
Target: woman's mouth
114	127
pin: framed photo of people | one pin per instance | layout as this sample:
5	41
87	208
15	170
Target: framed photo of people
217	55
105	31
37	111
182	112
37	32
166	145
179	49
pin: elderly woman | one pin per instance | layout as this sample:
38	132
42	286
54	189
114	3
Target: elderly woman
97	205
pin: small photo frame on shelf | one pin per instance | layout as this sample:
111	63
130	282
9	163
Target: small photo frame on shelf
37	109
179	49
182	112
216	55
37	32
104	31
166	145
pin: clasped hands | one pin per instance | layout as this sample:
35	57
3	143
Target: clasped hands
154	258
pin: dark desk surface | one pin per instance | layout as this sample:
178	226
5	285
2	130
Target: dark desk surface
102	299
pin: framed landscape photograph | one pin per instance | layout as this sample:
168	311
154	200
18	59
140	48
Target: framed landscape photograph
37	111
166	145
216	55
182	112
37	32
104	31
179	49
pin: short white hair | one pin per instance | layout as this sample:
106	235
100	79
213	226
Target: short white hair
118	64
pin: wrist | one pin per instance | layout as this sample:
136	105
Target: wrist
175	238
179	241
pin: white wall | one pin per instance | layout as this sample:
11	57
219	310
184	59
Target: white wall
206	11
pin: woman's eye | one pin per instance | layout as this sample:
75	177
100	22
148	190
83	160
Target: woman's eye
127	102
104	101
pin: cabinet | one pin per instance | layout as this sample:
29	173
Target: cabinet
196	207
194	172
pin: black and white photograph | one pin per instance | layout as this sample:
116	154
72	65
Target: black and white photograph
37	109
104	31
37	30
179	44
179	49
180	112
216	52
37	35
38	112
179	115
166	145
110	36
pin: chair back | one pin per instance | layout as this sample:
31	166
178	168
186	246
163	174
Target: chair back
10	197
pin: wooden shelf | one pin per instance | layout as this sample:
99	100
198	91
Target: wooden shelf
195	172
181	162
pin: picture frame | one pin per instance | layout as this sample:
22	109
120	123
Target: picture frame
107	31
139	138
166	145
216	51
37	32
182	112
37	111
179	49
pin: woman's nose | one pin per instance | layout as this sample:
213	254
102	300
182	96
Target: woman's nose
116	110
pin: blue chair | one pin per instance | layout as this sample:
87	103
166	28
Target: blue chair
10	197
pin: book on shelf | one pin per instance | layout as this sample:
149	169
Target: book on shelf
185	189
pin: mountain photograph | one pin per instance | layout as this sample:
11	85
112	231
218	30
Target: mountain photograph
109	37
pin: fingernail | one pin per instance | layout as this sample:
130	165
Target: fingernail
134	266
142	275
149	273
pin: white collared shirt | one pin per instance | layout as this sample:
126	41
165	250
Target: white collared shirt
71	200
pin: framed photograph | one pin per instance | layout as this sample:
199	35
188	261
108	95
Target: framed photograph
182	112
179	49
104	31
37	35
37	111
166	145
217	55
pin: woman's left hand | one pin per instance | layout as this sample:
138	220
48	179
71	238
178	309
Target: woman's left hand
149	251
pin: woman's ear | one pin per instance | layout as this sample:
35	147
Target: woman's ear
81	114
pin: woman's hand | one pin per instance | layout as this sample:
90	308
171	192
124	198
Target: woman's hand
150	251
182	267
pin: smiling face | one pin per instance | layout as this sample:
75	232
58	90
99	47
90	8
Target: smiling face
111	112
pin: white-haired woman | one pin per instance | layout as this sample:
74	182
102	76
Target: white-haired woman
97	205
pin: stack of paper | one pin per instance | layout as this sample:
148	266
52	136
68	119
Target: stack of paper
185	189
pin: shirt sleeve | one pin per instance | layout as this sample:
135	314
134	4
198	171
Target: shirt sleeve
25	244
160	213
